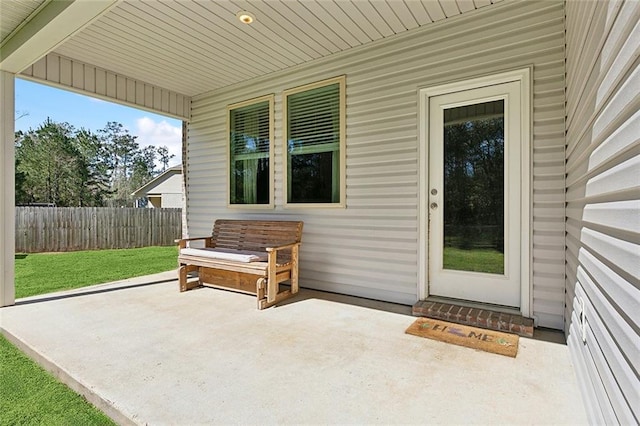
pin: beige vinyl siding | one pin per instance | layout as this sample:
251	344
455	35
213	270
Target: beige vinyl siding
73	75
603	205
370	248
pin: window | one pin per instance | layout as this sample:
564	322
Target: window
250	153
314	143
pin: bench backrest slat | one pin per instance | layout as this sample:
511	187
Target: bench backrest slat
255	235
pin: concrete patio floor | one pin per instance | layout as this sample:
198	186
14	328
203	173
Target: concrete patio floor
146	354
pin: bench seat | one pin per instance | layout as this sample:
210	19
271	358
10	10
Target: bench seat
243	256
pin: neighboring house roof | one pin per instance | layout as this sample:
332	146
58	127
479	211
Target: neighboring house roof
161	178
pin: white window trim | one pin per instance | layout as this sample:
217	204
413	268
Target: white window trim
343	157
271	205
523	76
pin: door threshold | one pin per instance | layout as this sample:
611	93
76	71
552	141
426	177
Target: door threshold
491	317
471	304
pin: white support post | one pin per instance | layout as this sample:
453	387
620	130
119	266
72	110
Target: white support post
7	189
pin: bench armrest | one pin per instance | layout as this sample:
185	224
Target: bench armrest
282	247
182	242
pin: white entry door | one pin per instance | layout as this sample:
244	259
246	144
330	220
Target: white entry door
474	187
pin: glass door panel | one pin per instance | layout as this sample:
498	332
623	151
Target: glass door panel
474	188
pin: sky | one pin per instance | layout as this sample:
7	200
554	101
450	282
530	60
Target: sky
37	102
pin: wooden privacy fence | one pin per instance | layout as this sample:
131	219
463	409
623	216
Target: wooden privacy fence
51	229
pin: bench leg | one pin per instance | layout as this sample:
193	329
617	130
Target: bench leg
260	291
182	278
263	303
272	279
183	270
294	269
263	287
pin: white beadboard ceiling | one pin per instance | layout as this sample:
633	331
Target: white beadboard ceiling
192	47
13	13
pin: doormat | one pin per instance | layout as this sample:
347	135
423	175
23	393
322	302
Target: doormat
463	335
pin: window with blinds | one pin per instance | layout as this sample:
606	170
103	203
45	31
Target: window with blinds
314	136
250	152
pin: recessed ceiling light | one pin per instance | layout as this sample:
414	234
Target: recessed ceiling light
245	17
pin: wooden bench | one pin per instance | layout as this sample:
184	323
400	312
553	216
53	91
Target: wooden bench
248	256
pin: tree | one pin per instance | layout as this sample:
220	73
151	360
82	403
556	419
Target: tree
20	178
119	150
96	189
49	166
165	157
143	167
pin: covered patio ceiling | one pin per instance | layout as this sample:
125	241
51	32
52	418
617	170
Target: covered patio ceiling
192	47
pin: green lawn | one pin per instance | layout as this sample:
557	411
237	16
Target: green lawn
47	272
477	260
31	396
28	394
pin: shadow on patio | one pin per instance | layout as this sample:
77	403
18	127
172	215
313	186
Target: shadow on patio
146	354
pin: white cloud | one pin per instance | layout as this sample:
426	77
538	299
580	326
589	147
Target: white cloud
160	133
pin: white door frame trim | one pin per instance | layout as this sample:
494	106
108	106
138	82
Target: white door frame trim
523	76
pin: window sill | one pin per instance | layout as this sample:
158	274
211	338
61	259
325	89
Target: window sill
315	206
250	206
